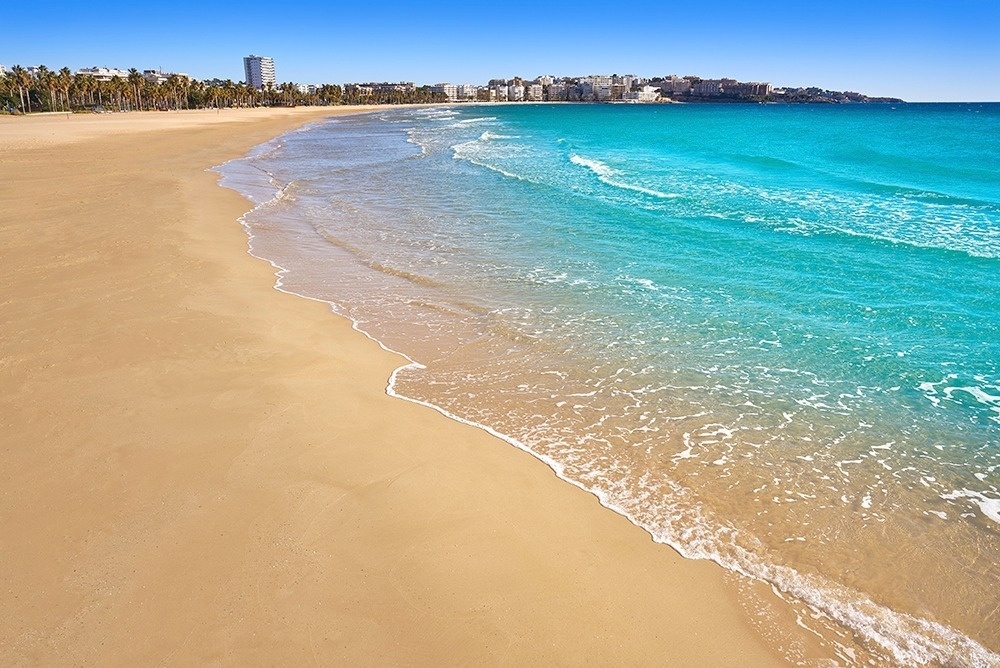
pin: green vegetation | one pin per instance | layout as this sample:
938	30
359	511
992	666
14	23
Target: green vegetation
46	90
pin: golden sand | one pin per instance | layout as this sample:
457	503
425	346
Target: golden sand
198	468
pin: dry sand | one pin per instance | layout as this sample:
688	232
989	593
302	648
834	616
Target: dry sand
198	468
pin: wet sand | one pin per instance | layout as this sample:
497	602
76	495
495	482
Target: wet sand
199	468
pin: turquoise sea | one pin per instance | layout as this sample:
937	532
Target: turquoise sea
768	335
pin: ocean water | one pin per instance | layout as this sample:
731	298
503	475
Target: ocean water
768	335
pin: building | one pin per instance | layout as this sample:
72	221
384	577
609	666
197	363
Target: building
646	94
160	77
259	71
155	76
748	89
468	92
515	93
535	92
387	87
625	80
558	92
447	89
708	87
358	89
675	85
102	73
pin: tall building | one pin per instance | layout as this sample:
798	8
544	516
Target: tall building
259	71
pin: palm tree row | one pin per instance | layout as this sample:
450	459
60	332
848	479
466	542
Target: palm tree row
62	91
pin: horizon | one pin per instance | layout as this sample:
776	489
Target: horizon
916	51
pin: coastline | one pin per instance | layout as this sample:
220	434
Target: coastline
202	468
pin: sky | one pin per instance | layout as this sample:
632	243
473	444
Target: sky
918	50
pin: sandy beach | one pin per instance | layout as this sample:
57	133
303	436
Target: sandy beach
198	468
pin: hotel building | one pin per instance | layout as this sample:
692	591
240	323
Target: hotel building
259	71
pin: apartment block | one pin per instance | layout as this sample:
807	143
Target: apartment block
259	71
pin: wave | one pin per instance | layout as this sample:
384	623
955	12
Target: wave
889	216
471	151
472	121
492	136
606	174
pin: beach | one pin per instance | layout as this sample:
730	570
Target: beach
198	468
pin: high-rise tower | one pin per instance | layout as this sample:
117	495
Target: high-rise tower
259	71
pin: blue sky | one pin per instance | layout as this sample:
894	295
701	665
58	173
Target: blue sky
919	50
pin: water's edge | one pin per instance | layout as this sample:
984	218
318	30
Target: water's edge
898	636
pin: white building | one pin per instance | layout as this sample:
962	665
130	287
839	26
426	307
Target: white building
467	92
155	76
645	94
386	87
103	73
515	93
259	71
160	77
535	92
451	90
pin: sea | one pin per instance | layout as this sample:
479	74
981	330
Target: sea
769	335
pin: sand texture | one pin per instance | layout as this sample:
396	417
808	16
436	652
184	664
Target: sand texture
196	468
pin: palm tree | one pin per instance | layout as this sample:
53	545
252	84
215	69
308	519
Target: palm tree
185	89
229	92
173	85
6	87
238	91
118	87
44	78
84	85
64	79
23	81
136	80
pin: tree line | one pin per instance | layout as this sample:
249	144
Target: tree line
45	90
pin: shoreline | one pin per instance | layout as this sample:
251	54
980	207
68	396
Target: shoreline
201	467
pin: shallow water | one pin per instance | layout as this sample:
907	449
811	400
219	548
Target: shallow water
769	335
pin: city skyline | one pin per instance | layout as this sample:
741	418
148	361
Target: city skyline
919	51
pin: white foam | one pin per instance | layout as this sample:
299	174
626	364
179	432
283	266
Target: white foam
472	121
989	506
605	172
